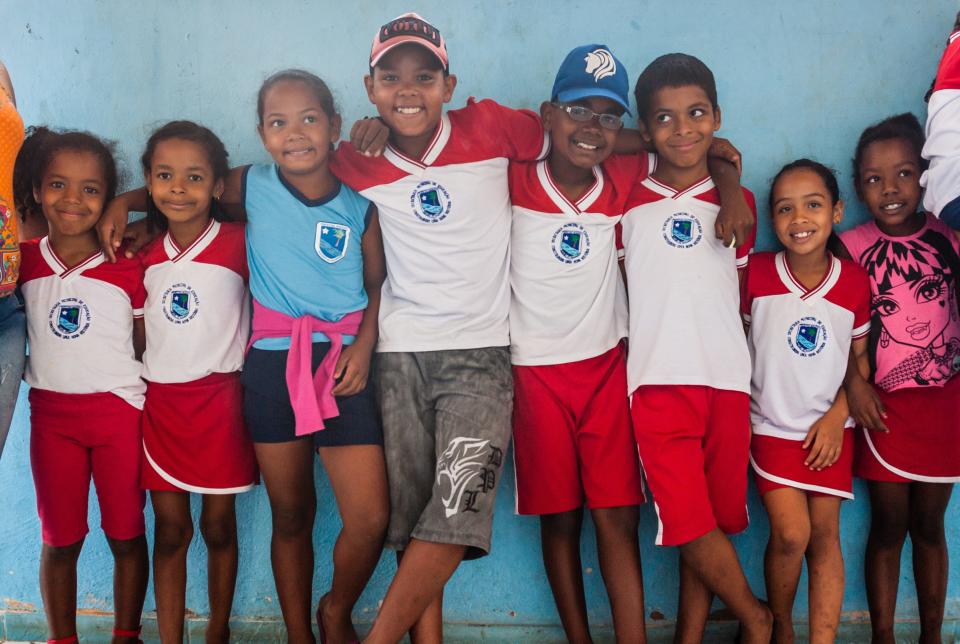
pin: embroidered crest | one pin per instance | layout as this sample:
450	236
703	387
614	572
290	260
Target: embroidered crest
430	202
180	303
69	318
807	336
331	241
571	243
682	230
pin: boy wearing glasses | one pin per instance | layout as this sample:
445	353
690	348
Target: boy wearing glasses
573	444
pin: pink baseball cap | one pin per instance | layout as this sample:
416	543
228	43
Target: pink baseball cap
409	28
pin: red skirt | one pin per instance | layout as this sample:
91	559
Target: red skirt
194	438
778	462
923	443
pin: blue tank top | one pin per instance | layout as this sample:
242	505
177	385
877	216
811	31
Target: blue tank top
303	254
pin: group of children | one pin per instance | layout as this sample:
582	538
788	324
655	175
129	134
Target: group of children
452	279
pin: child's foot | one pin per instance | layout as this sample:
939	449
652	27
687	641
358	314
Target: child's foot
759	629
335	626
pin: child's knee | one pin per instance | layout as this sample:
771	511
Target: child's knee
790	540
63	553
825	534
292	520
172	535
219	532
927	530
889	532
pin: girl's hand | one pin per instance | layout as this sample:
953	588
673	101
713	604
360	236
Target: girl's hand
865	405
369	136
112	227
824	442
352	370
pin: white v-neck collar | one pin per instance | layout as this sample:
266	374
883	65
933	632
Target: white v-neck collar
557	197
176	254
699	187
430	154
791	282
60	268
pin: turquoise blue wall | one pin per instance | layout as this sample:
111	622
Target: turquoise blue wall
795	79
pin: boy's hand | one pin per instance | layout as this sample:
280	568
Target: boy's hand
369	136
721	148
352	370
824	442
865	405
735	221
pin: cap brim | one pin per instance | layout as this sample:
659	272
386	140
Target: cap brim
577	94
405	40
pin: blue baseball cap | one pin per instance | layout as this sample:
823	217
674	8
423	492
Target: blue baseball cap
591	70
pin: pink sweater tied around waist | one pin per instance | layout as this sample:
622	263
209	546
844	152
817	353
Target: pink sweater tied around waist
310	396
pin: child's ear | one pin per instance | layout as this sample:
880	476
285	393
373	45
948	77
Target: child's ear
36	195
644	132
449	84
546	115
335	124
260	134
368	84
838	211
218	189
716	118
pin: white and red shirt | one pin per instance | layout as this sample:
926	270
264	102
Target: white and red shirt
80	322
942	148
800	340
569	302
446	227
682	283
197	311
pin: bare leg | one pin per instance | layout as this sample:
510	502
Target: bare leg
131	572
560	542
58	587
173	528
423	572
715	563
287	470
789	516
694	606
359	479
889	521
928	503
825	569
619	550
218	525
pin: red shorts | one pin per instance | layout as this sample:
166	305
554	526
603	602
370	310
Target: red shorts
694	449
778	462
923	443
572	440
194	438
74	436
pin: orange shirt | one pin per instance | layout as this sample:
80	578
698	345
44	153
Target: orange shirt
11	138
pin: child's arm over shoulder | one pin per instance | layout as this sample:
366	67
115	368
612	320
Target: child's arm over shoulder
737	219
517	134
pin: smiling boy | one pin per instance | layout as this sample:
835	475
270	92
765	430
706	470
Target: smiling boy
690	388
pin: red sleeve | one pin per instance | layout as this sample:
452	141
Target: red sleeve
743	252
32	264
520	131
948	73
135	288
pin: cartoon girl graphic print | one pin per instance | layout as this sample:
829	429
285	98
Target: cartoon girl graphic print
914	308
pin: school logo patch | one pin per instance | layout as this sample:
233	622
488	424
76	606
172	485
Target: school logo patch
69	318
807	336
571	244
180	303
331	241
682	230
430	202
600	63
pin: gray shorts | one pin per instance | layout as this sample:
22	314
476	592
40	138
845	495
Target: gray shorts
446	427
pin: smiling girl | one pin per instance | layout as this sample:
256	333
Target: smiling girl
909	448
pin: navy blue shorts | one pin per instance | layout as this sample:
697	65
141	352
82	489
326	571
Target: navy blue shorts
950	214
269	415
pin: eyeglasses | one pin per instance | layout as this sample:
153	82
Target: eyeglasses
581	114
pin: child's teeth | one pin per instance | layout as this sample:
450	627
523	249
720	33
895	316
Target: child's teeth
586	146
408	110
